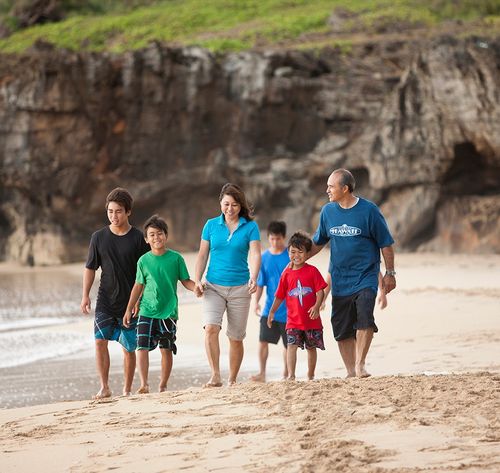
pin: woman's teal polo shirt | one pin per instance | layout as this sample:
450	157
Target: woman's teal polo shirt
228	264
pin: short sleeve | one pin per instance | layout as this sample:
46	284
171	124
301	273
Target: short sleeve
93	258
321	237
262	278
282	287
319	281
183	271
254	232
379	229
139	275
205	233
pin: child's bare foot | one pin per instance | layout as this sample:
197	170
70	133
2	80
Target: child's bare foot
231	382
102	394
126	393
143	390
258	378
162	388
291	378
310	378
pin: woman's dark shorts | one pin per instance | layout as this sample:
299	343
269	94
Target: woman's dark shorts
153	332
308	338
354	312
273	334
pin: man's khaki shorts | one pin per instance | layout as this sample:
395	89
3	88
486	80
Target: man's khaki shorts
235	300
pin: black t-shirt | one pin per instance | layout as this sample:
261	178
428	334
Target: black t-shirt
117	256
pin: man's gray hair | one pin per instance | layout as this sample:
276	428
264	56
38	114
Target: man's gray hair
346	179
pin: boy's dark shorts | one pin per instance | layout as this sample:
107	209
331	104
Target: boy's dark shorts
308	338
153	332
109	327
273	334
354	312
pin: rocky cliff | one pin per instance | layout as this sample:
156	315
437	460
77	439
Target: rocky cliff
418	124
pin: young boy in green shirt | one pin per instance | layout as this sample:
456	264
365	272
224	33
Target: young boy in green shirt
156	279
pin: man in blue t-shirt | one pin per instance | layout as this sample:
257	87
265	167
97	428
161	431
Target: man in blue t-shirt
358	233
274	261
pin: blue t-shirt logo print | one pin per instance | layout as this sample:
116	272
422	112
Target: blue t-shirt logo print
345	231
300	291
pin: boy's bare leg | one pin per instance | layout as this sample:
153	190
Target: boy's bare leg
263	355
347	350
128	371
167	361
285	367
312	357
213	354
236	351
363	341
291	361
102	364
143	365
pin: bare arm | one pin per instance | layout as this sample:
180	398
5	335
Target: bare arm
188	284
201	264
388	282
315	250
258	296
382	298
88	280
314	310
254	260
134	297
274	308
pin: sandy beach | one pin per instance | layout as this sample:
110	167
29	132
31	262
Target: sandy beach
432	403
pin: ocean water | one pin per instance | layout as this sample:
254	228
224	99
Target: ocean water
34	306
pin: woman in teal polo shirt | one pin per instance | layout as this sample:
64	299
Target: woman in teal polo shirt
232	241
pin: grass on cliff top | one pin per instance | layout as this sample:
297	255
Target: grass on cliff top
235	25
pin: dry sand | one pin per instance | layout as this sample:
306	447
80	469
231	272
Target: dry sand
443	320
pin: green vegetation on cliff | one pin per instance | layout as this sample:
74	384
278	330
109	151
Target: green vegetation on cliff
233	25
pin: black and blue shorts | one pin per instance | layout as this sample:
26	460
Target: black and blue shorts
354	312
109	327
156	332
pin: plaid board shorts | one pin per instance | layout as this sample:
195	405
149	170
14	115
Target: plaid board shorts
109	327
305	338
153	332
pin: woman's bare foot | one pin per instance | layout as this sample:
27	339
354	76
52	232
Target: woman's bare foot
126	393
162	389
231	382
102	394
291	378
143	390
258	378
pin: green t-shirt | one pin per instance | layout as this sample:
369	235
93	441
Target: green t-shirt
159	275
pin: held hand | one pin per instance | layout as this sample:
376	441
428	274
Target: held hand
198	289
85	305
313	313
323	304
252	286
270	319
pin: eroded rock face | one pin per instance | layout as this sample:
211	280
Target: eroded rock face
417	125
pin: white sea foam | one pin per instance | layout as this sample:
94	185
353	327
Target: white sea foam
19	347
